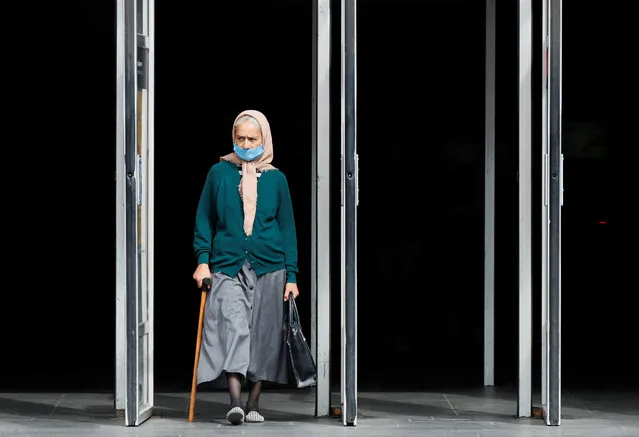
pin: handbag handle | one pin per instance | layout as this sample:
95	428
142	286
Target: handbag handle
293	315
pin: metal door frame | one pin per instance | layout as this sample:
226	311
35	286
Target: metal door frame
552	202
134	392
349	195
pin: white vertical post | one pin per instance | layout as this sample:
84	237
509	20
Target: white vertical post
320	205
489	199
120	217
524	398
545	218
349	214
150	189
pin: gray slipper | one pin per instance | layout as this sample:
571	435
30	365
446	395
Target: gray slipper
254	417
235	416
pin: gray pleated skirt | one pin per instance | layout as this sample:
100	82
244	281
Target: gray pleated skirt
244	329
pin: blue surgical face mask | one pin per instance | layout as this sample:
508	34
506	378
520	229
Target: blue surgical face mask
248	154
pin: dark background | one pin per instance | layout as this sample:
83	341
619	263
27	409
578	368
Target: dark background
420	139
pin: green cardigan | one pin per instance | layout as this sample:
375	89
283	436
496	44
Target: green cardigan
219	237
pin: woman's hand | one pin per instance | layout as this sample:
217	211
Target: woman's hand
202	271
290	288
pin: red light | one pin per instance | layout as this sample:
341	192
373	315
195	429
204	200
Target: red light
603	222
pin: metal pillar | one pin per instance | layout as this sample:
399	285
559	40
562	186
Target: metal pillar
489	199
553	201
320	205
524	398
349	213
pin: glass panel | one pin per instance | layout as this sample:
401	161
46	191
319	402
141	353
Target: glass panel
143	374
139	366
143	291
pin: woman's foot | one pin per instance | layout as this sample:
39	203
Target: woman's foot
254	417
252	407
235	416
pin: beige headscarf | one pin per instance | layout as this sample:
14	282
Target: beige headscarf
248	183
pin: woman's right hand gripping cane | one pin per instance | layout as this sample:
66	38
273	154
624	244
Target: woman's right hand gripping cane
202	271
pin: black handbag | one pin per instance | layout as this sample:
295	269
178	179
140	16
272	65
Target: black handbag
299	352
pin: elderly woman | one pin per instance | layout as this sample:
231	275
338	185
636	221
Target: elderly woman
245	241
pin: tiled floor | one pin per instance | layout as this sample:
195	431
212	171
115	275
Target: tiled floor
478	412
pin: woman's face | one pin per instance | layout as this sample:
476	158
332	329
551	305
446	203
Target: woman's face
247	135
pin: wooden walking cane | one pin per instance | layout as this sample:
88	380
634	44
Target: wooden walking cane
206	285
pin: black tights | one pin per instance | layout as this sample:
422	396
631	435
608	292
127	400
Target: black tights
235	389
